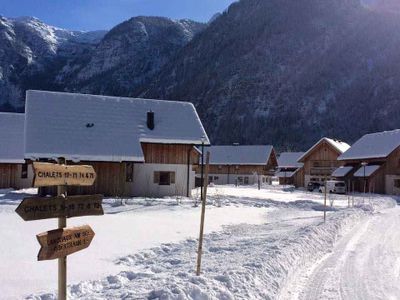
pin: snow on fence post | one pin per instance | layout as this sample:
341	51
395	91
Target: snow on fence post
203	211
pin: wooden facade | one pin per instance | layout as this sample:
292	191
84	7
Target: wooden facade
8	175
242	173
320	162
378	182
115	179
297	179
170	154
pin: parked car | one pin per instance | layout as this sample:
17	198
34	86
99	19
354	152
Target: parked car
312	186
334	186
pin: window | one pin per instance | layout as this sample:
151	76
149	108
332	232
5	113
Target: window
210	179
164	178
216	177
129	172
246	180
24	171
397	183
240	180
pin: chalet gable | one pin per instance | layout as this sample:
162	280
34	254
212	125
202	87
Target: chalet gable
334	145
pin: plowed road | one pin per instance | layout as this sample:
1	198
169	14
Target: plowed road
364	264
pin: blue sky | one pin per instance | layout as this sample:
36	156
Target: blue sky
104	14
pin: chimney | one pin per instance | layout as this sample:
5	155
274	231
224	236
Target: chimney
150	120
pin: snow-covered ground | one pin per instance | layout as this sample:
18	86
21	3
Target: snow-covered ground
257	243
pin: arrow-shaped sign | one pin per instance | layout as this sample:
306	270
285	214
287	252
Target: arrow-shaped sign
62	242
37	208
47	174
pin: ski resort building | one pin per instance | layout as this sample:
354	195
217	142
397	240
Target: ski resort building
374	163
322	159
241	165
290	171
138	147
14	172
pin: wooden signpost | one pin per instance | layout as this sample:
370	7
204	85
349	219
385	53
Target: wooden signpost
47	174
202	217
61	242
38	208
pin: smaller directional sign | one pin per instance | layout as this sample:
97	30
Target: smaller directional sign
47	174
62	242
37	208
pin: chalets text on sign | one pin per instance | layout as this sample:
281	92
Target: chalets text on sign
48	174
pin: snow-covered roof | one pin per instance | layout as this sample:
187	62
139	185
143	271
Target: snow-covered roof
289	160
373	145
288	174
342	171
12	138
336	144
100	128
369	170
240	155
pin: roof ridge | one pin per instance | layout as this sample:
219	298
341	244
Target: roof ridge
116	98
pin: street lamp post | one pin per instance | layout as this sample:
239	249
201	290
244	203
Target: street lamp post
364	164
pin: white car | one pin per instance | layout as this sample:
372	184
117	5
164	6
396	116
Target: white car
334	186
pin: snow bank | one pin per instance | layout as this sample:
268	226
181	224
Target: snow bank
241	262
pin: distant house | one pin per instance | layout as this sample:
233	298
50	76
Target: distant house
14	172
321	159
290	171
242	165
374	162
138	147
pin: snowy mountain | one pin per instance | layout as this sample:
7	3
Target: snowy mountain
128	55
34	55
29	47
282	72
290	71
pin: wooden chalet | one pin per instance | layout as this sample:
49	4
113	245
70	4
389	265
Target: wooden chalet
14	172
321	159
374	163
241	164
290	171
138	147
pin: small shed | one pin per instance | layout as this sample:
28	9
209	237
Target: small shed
290	171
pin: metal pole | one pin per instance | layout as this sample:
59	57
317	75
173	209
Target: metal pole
203	212
62	262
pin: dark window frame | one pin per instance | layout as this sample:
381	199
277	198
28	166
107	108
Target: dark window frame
24	171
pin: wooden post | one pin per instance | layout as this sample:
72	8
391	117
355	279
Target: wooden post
203	212
348	193
62	262
325	201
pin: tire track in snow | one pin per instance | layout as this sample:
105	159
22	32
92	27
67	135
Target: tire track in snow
365	264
